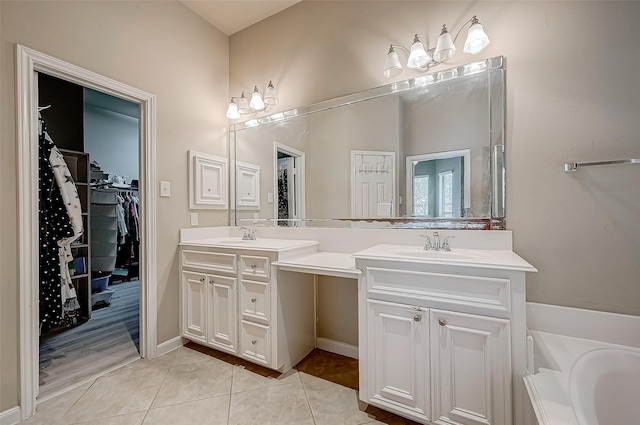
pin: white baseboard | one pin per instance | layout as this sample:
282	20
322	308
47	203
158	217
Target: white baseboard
337	347
170	345
10	416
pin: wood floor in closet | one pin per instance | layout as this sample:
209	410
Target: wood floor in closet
110	338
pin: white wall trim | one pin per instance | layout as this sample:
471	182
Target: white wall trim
170	345
337	347
29	61
601	326
10	416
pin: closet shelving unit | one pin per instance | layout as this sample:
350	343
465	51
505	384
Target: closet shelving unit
78	163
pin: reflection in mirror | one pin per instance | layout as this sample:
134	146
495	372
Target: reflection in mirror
338	163
438	184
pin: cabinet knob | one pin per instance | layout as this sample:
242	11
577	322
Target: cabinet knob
253	267
442	322
254	342
202	280
211	282
253	300
417	318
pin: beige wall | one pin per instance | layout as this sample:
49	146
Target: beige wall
572	95
160	47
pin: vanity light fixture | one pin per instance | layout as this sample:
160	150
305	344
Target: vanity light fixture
421	58
254	102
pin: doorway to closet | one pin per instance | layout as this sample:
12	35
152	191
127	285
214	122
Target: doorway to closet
99	328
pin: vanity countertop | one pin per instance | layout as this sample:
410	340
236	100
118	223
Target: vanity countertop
326	263
484	258
263	244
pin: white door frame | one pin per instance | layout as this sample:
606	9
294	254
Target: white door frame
28	62
300	193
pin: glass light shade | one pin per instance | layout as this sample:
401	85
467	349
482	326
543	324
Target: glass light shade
418	56
270	97
445	48
256	103
392	66
243	105
477	39
232	111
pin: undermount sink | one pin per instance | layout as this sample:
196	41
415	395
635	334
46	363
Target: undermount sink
416	252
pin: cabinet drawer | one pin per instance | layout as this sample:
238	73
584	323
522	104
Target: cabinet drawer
255	301
255	342
489	293
255	267
204	260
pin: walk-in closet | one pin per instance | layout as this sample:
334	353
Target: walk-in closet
89	233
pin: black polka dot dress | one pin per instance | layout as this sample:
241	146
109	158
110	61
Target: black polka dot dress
54	225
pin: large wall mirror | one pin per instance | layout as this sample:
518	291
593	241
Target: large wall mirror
426	152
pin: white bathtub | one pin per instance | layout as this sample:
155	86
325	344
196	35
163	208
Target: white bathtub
584	368
604	387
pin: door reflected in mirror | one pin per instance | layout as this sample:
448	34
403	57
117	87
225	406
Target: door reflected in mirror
439	184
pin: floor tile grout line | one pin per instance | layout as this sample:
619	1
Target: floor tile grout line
306	397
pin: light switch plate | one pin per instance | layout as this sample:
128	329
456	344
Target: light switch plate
165	189
256	216
194	219
270	197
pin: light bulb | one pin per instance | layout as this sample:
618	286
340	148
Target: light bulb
243	105
477	39
232	111
392	65
418	56
270	97
256	104
445	49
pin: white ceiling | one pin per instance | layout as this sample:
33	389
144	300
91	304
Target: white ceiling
231	16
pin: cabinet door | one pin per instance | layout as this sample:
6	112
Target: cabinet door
471	366
221	313
398	358
194	306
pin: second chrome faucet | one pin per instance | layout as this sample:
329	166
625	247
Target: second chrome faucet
436	245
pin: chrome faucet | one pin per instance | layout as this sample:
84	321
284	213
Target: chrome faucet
436	241
248	234
436	246
445	244
427	245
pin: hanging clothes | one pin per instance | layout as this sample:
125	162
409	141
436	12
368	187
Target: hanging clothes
55	225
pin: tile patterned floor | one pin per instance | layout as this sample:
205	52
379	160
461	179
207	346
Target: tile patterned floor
189	387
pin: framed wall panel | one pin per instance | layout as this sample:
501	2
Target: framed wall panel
208	182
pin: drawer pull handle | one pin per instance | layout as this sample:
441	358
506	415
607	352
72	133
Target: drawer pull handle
417	318
254	342
253	300
442	322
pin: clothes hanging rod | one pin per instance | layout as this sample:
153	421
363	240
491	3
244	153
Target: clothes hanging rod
573	166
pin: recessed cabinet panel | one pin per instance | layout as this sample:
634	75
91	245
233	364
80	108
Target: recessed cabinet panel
208	181
255	342
489	293
255	266
398	346
248	186
255	301
213	261
222	318
194	297
471	367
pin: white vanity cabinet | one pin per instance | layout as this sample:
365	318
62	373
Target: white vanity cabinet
442	343
209	288
233	299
